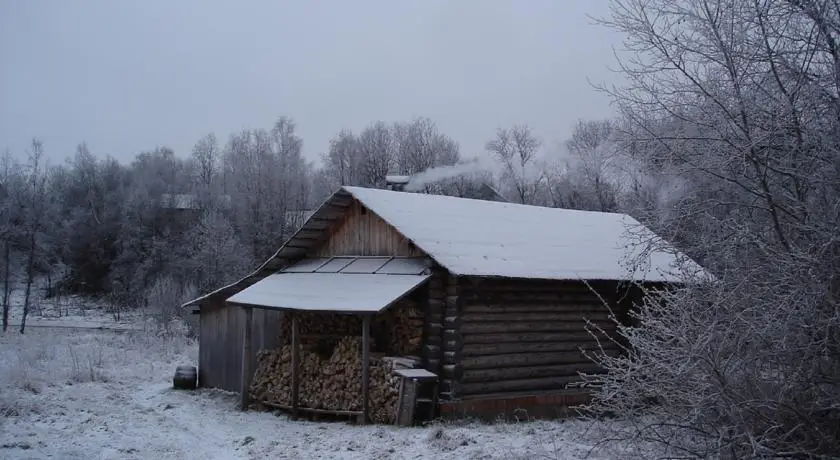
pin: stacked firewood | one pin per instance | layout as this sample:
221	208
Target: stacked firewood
396	331
333	383
324	324
403	326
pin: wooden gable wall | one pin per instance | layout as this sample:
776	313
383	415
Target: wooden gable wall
362	233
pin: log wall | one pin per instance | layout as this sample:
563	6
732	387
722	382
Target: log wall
520	337
363	233
220	342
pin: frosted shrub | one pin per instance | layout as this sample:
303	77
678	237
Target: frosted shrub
727	370
164	299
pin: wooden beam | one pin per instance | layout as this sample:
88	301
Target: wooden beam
516	373
540	317
246	359
528	359
531	337
365	368
295	365
510	386
502	348
531	307
526	327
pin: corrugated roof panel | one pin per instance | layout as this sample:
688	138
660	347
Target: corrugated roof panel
328	292
404	266
307	265
335	265
365	265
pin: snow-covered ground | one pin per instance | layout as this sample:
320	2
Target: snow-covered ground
66	311
103	394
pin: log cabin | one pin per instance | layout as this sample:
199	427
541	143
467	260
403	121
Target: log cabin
492	299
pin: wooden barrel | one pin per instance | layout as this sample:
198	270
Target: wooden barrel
185	378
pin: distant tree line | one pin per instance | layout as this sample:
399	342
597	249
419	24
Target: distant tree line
95	226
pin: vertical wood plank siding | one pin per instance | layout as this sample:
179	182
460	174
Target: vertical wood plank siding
363	233
220	351
520	336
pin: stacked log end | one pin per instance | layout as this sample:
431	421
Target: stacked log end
403	324
331	382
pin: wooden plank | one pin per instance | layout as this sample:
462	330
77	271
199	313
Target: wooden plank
497	348
505	386
515	373
490	328
295	365
529	337
535	317
246	359
523	359
311	410
365	369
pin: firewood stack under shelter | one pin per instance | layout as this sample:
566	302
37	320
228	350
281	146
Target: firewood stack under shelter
330	353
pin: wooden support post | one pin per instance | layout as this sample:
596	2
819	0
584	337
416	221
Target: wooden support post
365	368
246	359
295	365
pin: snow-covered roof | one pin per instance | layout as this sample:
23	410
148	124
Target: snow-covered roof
486	238
494	239
337	284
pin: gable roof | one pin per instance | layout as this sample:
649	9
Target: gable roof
493	239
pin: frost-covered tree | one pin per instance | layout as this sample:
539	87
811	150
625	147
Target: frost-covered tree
34	207
212	254
419	145
377	151
517	150
11	188
738	101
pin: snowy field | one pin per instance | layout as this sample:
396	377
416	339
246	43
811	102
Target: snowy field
79	393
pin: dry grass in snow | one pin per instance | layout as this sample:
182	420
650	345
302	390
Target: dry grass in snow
87	394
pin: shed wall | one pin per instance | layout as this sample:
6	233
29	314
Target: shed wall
521	337
363	233
220	342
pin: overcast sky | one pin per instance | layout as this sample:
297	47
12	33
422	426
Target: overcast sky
126	76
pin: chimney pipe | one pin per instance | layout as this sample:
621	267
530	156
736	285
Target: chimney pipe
397	183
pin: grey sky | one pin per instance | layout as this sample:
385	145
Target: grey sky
125	76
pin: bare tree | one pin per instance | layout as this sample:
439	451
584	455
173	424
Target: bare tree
376	146
206	155
593	151
420	146
34	208
343	159
517	148
10	188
